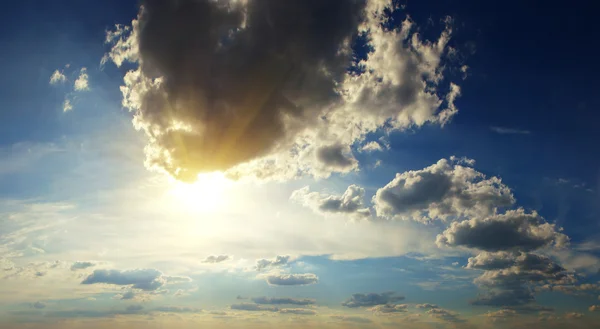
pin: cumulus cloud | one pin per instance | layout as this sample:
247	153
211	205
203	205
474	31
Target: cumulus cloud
57	77
212	74
445	315
82	84
350	203
514	230
389	308
371	147
216	259
262	264
81	265
67	106
427	306
594	308
441	191
292	279
144	279
283	301
372	299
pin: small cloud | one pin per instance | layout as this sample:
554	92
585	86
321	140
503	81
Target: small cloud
372	299
595	308
371	147
67	105
292	279
57	77
355	319
81	265
216	259
39	305
278	261
253	307
509	131
282	301
81	84
573	315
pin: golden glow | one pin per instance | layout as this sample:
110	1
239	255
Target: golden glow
207	194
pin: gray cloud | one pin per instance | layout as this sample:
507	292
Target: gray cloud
511	131
427	306
297	311
347	318
445	315
144	279
514	230
292	279
350	203
81	265
389	308
177	309
283	301
266	263
39	305
253	307
195	93
441	191
372	299
216	259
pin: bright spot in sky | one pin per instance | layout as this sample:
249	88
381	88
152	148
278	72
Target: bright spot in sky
204	195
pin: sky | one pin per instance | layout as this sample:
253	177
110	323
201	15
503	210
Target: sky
301	164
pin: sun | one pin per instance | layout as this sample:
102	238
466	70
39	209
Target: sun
206	194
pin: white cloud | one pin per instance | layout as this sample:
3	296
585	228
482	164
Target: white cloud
442	191
350	203
372	147
216	259
82	84
67	105
292	279
278	261
57	77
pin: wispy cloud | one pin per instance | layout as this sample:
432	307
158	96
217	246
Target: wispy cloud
509	131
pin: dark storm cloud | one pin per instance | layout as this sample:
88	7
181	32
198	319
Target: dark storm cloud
372	299
235	72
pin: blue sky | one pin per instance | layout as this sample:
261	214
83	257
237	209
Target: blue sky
154	172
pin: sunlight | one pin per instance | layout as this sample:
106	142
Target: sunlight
204	195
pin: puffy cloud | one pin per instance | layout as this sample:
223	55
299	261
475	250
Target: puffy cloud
81	265
266	263
445	315
144	279
67	106
128	295
513	230
573	315
389	308
57	77
511	131
292	279
594	308
252	307
82	84
195	92
427	306
501	315
216	259
372	299
371	147
441	191
349	203
297	311
283	301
